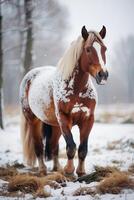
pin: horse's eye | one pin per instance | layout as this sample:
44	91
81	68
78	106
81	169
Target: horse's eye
88	49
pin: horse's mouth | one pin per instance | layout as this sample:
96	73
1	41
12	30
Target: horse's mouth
101	79
100	82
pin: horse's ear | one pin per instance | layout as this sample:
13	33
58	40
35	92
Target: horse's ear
84	33
103	32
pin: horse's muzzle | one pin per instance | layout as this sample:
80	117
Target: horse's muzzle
102	77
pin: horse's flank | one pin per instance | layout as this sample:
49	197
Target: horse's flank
39	97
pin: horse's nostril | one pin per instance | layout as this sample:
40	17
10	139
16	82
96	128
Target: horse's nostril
101	73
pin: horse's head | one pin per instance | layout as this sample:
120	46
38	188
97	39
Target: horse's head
93	57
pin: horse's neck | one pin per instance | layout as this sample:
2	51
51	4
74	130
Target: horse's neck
79	79
83	85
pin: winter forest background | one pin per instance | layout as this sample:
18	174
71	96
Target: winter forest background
33	33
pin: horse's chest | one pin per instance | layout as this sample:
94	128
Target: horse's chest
66	94
72	101
80	109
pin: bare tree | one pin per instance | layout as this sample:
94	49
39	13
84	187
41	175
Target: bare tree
29	35
34	33
1	70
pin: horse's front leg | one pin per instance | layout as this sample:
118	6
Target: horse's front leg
85	128
66	125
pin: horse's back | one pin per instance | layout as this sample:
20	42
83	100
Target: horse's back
36	93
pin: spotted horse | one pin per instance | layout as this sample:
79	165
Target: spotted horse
54	99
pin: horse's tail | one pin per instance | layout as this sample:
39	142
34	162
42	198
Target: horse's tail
27	142
47	133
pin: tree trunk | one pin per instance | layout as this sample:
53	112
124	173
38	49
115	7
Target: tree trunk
29	38
1	67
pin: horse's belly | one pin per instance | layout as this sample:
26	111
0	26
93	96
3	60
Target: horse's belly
49	113
40	96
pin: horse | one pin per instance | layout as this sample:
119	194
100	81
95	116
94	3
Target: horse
54	99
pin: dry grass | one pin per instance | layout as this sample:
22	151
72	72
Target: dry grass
24	183
56	176
98	174
28	182
115	182
7	173
105	171
18	165
112	181
35	185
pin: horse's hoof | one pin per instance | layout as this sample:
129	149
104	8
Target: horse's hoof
80	174
43	171
70	176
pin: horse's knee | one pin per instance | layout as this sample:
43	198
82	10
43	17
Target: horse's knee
82	151
71	151
70	146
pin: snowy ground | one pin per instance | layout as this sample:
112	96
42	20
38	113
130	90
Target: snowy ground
109	144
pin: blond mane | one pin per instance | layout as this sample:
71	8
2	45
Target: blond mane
71	56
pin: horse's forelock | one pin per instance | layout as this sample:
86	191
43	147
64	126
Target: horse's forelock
90	39
94	36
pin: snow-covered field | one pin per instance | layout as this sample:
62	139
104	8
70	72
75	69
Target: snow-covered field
109	144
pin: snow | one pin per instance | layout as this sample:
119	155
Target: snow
41	91
59	89
37	96
29	76
79	107
91	91
99	154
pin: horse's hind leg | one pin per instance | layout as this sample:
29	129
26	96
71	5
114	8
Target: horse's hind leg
32	140
35	127
56	133
52	135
